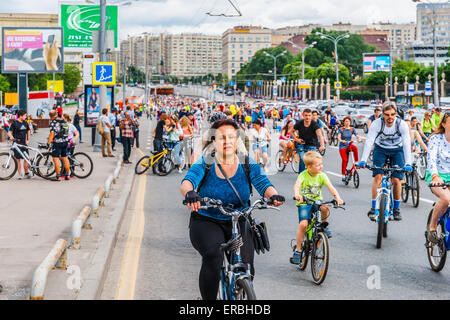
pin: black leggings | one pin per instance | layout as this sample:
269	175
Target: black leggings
207	235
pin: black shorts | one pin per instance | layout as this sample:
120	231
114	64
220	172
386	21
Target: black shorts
17	155
59	150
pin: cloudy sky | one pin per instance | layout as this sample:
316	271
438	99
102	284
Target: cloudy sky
176	16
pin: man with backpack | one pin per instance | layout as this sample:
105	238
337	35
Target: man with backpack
392	140
58	139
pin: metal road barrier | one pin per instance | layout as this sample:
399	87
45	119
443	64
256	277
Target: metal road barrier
97	200
57	258
80	223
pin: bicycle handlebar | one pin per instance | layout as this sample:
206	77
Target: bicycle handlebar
393	169
208	203
320	202
441	185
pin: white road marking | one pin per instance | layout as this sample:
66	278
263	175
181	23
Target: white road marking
334	174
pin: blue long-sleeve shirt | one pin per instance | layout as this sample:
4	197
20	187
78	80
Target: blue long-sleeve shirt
219	189
256	115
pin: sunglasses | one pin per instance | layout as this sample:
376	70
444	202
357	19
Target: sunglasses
389	114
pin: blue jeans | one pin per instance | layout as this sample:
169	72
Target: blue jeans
301	150
176	151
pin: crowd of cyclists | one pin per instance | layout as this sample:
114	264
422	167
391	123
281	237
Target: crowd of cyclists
215	141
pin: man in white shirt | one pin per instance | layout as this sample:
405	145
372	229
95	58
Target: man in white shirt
106	135
392	140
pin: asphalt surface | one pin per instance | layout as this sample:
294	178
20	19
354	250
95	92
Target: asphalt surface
167	266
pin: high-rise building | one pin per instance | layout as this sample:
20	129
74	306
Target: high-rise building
426	14
239	45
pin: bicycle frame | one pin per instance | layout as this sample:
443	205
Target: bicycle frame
154	159
386	188
445	219
24	155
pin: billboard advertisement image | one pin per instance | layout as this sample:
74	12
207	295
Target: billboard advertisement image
374	62
79	20
34	50
92	104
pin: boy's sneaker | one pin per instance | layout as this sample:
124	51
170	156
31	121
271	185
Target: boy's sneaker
296	257
328	232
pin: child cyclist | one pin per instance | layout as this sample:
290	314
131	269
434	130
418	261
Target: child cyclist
309	184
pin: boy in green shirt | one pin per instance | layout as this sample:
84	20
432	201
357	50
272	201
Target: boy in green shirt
309	184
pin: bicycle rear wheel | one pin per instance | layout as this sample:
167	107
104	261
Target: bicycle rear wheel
8	166
244	290
381	222
142	165
81	165
415	189
279	161
356	179
164	166
320	258
436	253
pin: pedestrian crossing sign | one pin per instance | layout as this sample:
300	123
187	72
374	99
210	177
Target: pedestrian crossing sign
104	73
338	85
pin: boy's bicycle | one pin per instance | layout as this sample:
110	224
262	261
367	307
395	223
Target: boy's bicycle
235	278
384	201
316	242
437	252
161	162
9	164
352	172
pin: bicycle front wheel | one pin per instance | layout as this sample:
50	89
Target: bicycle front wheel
279	161
142	165
422	167
356	179
295	163
45	165
320	258
437	253
8	166
405	188
81	165
245	290
381	222
415	189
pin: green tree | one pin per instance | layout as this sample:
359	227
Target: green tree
377	78
327	70
71	77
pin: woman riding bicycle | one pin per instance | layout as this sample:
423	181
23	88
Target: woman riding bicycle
438	172
210	228
345	137
286	142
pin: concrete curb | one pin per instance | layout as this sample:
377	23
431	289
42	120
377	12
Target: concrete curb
94	277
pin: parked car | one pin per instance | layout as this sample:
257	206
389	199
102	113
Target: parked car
341	113
360	118
229	93
361	105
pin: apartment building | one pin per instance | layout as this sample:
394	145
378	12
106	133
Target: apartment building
239	45
429	14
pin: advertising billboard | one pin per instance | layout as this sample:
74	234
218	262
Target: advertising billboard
92	104
79	20
32	50
376	62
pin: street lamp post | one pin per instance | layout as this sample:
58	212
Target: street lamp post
275	64
335	41
303	61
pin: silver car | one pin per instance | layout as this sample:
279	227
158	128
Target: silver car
360	118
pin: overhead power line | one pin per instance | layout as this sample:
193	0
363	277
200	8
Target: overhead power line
239	14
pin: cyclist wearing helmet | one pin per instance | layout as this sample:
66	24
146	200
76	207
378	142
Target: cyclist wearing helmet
392	140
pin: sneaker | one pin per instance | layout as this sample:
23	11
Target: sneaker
344	178
20	176
28	175
397	215
72	176
58	177
328	232
180	170
296	257
66	177
371	214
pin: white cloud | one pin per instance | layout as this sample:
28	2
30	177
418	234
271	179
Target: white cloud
177	16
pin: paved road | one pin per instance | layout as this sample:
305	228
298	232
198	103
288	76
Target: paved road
162	264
